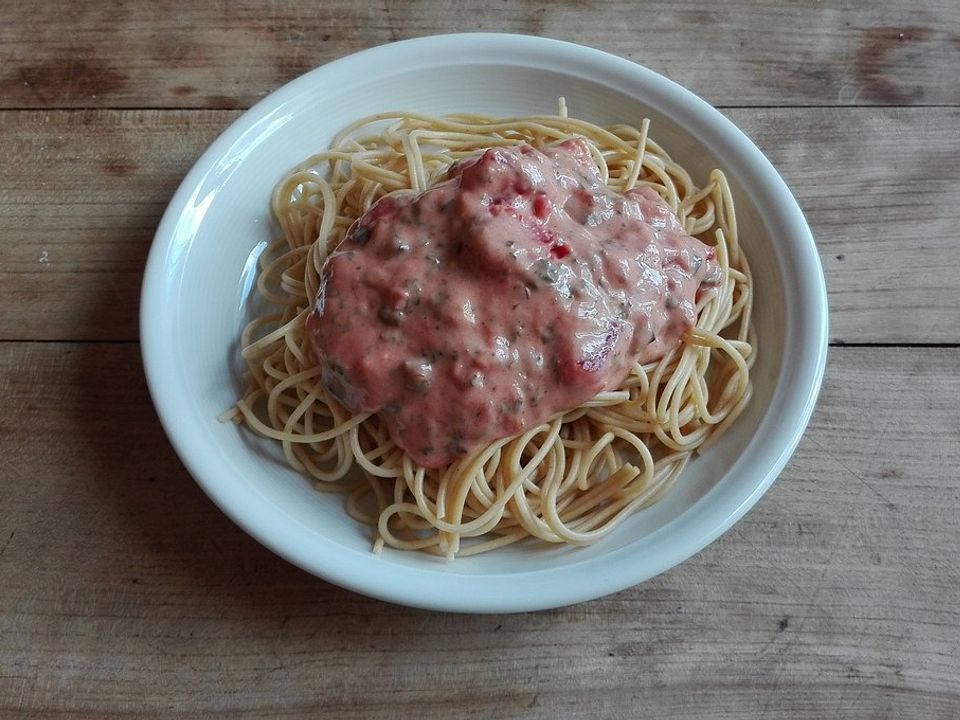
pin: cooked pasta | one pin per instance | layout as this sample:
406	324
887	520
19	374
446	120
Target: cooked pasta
570	479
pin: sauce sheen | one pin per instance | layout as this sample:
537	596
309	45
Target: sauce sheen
518	287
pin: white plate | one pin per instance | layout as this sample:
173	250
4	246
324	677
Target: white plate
196	298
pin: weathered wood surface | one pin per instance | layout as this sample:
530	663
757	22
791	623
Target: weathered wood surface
126	592
82	193
228	55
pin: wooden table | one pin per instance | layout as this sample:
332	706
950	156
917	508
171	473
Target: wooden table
125	592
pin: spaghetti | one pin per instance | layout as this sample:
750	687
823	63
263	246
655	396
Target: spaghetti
574	477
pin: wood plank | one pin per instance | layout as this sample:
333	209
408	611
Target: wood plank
881	191
124	591
228	55
81	194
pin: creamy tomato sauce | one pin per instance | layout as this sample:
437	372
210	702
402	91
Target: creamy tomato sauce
519	287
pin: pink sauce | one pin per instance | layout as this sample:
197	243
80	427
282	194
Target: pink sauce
519	287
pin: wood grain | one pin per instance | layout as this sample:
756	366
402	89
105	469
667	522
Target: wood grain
82	193
228	55
881	191
127	593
